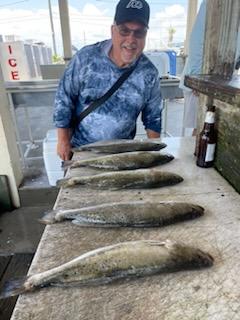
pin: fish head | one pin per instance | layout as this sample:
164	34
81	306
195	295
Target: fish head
170	157
192	258
199	258
175	178
159	146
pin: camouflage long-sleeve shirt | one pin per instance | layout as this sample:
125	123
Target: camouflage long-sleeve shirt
88	76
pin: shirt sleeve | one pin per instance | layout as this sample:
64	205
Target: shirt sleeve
66	96
151	114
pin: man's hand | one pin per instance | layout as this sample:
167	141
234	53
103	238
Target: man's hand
152	134
64	146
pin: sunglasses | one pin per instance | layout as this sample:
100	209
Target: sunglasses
137	33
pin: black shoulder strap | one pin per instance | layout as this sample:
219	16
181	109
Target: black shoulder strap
95	104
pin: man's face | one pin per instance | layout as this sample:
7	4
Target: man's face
128	42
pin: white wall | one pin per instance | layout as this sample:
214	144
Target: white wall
10	164
14	61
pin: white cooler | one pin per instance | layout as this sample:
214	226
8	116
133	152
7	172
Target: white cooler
51	160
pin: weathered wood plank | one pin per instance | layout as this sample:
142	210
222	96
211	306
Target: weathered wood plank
222	23
17	267
216	87
227	160
220	47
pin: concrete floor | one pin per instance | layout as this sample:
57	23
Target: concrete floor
20	230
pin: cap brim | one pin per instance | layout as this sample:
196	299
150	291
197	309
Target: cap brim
132	19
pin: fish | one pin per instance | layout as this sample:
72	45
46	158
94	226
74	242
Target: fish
117	261
121	145
127	214
124	161
129	179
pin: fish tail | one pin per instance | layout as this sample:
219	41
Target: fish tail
66	164
48	217
13	288
70	182
62	183
77	149
77	164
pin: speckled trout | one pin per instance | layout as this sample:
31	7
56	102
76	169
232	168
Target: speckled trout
128	179
124	161
121	145
117	261
127	214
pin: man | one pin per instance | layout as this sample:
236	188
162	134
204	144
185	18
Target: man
93	71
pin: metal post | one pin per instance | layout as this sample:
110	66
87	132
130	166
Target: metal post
191	16
14	118
52	27
65	27
32	144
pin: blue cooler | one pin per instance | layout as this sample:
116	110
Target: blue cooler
173	61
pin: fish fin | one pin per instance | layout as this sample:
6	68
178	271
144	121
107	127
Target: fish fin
91	224
78	222
13	288
84	223
85	282
48	217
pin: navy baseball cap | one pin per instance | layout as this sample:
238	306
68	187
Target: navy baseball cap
132	10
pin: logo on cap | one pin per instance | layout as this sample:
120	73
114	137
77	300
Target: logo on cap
134	4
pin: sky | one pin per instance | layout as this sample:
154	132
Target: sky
90	21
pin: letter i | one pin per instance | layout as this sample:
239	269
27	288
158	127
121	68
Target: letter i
10	49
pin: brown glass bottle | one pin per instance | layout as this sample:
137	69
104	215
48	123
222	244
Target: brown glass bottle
207	140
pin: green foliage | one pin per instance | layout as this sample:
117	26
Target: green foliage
171	31
57	59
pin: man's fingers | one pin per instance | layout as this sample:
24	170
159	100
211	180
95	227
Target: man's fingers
64	151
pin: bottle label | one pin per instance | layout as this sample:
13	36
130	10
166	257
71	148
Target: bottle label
210	152
210	117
